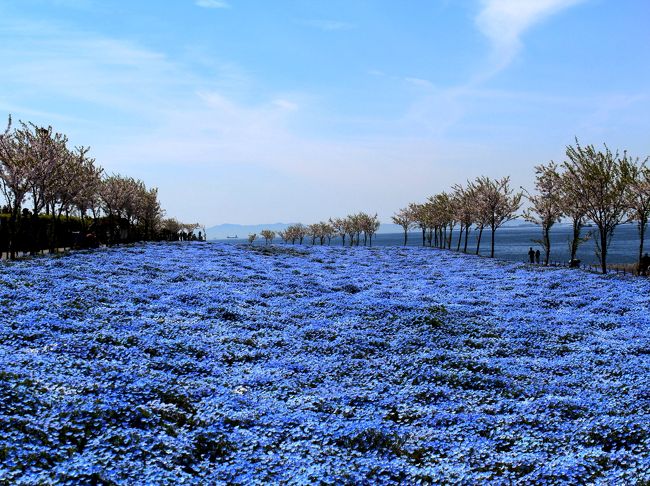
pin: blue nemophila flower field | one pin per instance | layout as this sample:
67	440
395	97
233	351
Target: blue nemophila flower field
209	363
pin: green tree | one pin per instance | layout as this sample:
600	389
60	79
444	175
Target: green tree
545	206
268	236
465	211
498	203
637	175
597	182
404	218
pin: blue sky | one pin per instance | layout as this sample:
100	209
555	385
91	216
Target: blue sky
249	111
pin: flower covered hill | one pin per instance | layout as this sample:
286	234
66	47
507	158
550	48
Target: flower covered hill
209	363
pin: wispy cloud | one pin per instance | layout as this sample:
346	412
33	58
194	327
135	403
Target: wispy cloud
157	119
505	21
327	25
212	4
285	104
199	132
80	4
419	82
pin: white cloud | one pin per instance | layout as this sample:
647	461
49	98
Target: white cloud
327	25
212	4
156	118
285	104
216	157
419	82
80	4
505	21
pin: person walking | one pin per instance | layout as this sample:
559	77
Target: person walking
537	256
531	255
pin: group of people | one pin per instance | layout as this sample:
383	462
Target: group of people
85	240
190	236
534	256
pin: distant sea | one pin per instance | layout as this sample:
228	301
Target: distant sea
512	243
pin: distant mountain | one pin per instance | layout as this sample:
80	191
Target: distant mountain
242	231
222	231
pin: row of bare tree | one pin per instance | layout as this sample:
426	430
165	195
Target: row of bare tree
603	187
483	203
351	228
39	169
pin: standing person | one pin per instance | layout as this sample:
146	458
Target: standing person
644	264
531	255
537	256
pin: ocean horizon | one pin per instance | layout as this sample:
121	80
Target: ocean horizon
513	242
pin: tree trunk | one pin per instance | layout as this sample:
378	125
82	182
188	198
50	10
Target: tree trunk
478	243
460	237
343	240
466	238
492	241
547	245
13	231
34	229
55	232
603	250
405	236
424	239
642	224
451	230
576	238
111	228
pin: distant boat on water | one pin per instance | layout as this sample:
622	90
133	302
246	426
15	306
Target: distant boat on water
232	237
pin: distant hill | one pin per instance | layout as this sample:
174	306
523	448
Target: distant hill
222	231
